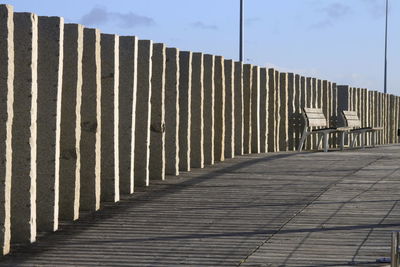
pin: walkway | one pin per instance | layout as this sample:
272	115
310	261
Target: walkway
278	209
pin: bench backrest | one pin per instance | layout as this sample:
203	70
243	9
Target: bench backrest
351	119
314	117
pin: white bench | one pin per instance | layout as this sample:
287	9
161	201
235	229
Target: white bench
314	117
353	122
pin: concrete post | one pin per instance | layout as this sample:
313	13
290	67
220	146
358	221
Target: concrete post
24	129
197	123
157	127
277	109
172	112
185	84
255	110
291	110
110	117
128	55
297	111
50	70
6	122
238	103
209	98
91	122
334	118
219	110
229	68
283	123
247	86
309	104
143	113
303	102
271	110
71	123
264	114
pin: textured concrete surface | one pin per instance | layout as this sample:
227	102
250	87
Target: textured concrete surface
229	67
264	112
271	110
185	83
91	121
143	113
6	120
209	100
172	112
283	112
255	110
247	86
157	126
292	209
291	111
70	134
219	109
24	130
50	71
238	83
127	106
109	117
196	117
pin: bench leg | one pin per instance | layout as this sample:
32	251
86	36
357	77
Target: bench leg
342	137
373	139
319	141
326	142
353	140
303	138
363	139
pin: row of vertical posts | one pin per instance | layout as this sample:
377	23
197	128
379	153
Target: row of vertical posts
87	117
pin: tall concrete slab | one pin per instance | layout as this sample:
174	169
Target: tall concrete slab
291	112
6	120
277	110
283	111
71	123
264	114
24	129
185	84
219	110
128	55
50	71
310	103
209	100
247	86
172	112
143	113
91	122
197	122
271	111
229	68
239	105
303	101
157	127
297	111
255	110
110	118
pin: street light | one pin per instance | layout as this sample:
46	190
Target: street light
241	32
385	68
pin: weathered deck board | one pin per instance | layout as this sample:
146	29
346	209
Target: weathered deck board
277	209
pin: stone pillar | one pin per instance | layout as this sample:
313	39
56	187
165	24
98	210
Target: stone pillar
238	103
303	103
6	122
264	114
24	129
291	111
277	109
172	112
185	84
283	123
71	123
325	99
110	117
343	103
334	117
309	104
128	53
255	110
297	117
271	111
229	68
157	127
50	71
209	98
247	79
91	122
219	110
197	98
143	113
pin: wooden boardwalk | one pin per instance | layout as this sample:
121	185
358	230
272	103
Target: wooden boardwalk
278	209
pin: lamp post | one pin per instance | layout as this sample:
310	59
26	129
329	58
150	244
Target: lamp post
385	68
241	32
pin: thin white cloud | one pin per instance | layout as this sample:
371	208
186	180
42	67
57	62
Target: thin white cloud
100	16
202	25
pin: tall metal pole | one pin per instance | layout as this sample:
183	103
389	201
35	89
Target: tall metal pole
241	32
386	30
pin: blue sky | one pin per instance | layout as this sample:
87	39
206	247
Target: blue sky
338	40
